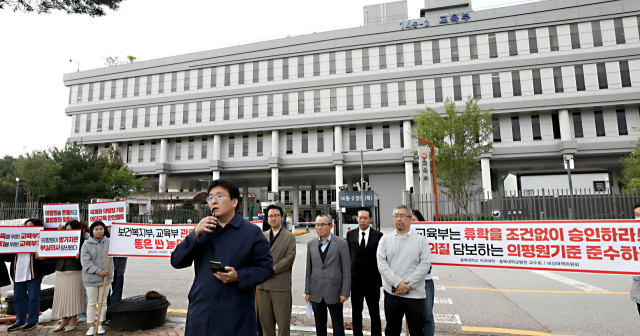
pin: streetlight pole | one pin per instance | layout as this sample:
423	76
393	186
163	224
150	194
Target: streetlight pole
78	70
17	187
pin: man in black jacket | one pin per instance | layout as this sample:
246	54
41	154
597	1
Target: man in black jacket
365	278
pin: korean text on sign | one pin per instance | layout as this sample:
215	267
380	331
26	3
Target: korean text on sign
59	244
58	214
19	239
108	212
146	240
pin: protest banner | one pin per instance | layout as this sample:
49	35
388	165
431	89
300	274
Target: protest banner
59	243
146	240
596	246
19	239
108	212
257	223
57	214
13	222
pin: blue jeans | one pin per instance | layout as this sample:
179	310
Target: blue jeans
429	324
116	290
26	300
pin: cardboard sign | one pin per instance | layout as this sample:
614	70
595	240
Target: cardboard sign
58	214
19	239
59	243
13	222
108	212
598	246
146	240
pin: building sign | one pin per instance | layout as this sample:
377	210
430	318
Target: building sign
58	214
422	23
352	199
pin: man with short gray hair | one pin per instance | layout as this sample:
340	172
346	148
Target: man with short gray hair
404	259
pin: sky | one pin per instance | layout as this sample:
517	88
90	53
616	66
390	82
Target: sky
36	48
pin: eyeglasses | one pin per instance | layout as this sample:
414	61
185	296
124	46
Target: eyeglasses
400	216
322	225
218	197
274	216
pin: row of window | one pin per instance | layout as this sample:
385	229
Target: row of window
253	75
287	196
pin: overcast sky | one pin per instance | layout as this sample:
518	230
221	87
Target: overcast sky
36	48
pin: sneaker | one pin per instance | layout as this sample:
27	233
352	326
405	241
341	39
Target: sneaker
101	330
16	327
91	331
30	326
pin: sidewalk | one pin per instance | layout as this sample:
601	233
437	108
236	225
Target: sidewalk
47	328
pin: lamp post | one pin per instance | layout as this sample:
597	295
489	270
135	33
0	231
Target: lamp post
17	187
362	169
78	70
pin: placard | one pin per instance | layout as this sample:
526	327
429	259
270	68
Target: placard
58	214
19	239
59	243
598	246
13	222
146	240
108	212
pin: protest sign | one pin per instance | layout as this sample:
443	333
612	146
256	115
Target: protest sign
146	240
13	222
19	239
108	212
59	243
598	246
58	214
257	223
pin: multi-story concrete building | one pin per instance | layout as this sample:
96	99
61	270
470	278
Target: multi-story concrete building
562	78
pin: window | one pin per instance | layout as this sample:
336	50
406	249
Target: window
350	98
333	100
369	137
382	52
435	51
136	87
365	59
553	38
174	81
352	139
366	96
457	89
300	102
386	137
497	137
316	100
70	88
557	79
159	118
316	65
300	66
513	44
254	107
320	139
515	81
303	197
617	24
125	87
515	128
577	125
402	96
305	142
332	63
203	149
259	143
473	47
438	90
213	77
638	23
417	53
289	140
555	125
226	109
599	123
212	110
90	98
535	127
199	112
349	61
240	108
533	41
99	121
537	82
624	74
285	104
245	145
129	153
270	70
285	68
101	97
495	81
79	100
200	79
454	49
270	105
256	72
400	55
147	117
227	75
134	123
402	136
153	152
597	33
477	91
191	149
575	36
493	46
141	152
602	76
420	91
123	119
621	116
320	196
185	113
384	98
111	121
580	85
231	146
187	80
113	89
241	73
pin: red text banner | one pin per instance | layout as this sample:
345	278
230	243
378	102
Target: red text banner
58	214
108	212
146	240
603	246
19	239
59	243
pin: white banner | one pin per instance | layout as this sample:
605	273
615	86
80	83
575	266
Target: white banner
13	222
58	214
19	239
108	212
146	240
59	243
598	246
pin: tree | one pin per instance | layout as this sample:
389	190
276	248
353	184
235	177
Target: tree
115	60
91	7
630	175
8	180
459	139
38	174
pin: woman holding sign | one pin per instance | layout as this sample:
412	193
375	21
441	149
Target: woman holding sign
94	257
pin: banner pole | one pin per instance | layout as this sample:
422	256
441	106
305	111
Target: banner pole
104	289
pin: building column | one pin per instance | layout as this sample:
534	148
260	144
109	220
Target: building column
406	127
275	149
164	150
408	155
296	201
162	181
162	185
485	165
565	125
245	201
274	180
217	142
313	201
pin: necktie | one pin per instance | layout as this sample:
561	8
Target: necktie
362	243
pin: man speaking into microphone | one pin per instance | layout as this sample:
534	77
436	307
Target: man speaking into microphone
231	257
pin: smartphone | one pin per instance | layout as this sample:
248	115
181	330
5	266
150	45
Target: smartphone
217	266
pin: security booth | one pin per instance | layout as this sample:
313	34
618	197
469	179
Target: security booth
348	204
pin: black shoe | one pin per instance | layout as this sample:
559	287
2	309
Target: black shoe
16	327
29	326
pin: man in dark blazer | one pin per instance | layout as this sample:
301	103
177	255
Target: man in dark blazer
365	278
222	303
328	277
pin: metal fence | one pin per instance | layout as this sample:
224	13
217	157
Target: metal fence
548	204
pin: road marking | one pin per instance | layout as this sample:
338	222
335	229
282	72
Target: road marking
447	318
536	291
435	277
573	283
346	312
508	331
183	311
439	287
442	300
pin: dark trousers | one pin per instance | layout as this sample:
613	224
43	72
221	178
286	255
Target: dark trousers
638	307
26	300
372	296
429	323
116	290
320	315
395	307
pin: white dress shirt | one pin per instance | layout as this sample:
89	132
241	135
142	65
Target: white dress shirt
23	267
366	236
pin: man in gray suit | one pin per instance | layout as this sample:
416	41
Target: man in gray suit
328	280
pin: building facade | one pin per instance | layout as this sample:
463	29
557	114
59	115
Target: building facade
562	78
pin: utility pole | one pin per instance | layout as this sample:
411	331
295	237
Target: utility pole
17	187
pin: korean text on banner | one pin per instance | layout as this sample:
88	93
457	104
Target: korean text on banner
19	239
146	240
603	246
108	212
58	214
59	243
13	222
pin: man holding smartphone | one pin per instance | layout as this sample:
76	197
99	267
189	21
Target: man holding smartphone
220	302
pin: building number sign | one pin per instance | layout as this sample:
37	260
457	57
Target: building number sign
454	18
